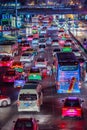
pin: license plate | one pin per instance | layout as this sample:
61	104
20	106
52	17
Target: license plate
26	104
71	110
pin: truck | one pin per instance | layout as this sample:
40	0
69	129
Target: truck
9	48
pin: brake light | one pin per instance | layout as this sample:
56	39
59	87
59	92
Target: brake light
38	102
45	63
64	109
18	103
78	109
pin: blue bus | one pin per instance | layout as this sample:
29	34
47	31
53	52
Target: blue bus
68	73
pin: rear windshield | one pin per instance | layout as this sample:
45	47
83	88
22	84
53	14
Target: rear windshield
34	71
27	97
72	103
10	73
40	60
24	124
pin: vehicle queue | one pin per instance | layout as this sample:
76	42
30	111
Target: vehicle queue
37	60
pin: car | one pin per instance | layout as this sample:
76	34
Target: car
56	50
24	46
4	100
48	41
34	74
6	61
42	41
10	76
32	51
18	66
34	43
55	43
30	38
20	82
26	124
41	48
41	62
72	107
77	53
26	57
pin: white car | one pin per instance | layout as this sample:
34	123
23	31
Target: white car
55	43
35	42
26	57
41	62
4	101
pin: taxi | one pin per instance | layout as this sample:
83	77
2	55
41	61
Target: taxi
34	74
18	66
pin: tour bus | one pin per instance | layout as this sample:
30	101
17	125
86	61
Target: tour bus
30	97
68	77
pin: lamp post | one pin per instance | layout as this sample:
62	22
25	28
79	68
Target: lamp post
16	12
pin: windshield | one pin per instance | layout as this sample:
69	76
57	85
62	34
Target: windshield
24	124
72	103
34	71
27	96
68	68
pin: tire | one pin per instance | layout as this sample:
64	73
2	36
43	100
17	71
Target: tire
4	103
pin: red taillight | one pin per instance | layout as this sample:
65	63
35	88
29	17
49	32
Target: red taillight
18	103
78	109
64	109
38	102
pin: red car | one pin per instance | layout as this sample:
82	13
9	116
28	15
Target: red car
10	76
26	124
6	61
72	107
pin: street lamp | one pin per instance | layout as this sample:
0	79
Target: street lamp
16	12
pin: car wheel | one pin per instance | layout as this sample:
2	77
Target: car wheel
4	103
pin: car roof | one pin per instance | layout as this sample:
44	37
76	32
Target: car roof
72	98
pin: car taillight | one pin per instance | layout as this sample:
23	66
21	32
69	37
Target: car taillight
18	103
64	109
45	63
38	102
78	109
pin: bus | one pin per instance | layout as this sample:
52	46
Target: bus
30	97
68	77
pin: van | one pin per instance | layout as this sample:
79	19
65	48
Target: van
30	97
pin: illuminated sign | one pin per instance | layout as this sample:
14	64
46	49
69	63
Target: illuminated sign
66	49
